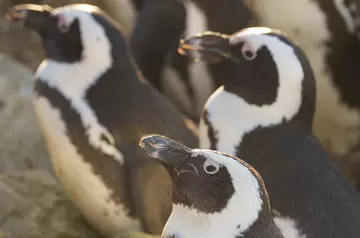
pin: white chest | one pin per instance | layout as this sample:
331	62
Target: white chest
288	227
335	124
84	188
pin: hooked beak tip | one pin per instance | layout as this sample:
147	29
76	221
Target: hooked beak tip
191	44
208	46
181	51
153	145
163	149
155	141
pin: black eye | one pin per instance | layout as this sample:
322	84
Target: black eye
247	50
210	169
248	54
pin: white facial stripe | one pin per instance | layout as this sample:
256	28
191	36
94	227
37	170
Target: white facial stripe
75	9
243	207
74	79
306	22
232	117
68	14
213	155
93	36
346	14
248	32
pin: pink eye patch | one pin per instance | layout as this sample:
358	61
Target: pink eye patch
62	24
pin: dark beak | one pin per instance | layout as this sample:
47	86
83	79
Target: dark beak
209	46
35	17
165	150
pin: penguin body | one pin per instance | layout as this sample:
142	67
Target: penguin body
93	107
263	114
326	31
125	12
82	173
188	85
214	194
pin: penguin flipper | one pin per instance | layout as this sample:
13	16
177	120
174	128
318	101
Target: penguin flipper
150	187
148	43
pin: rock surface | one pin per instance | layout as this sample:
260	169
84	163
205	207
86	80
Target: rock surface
21	143
33	205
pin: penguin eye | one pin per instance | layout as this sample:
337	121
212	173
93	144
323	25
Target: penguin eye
211	167
248	51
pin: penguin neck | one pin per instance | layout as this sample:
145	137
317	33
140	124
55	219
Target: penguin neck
113	60
227	119
236	221
230	114
73	79
243	209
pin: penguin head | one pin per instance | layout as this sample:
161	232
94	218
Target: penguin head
208	185
69	34
261	66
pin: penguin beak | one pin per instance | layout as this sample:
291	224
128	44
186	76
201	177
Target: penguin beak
166	151
209	46
35	17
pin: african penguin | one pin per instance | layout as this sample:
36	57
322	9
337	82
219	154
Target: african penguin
263	114
214	194
328	32
157	31
94	106
150	45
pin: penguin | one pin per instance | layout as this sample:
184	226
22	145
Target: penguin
93	106
263	114
214	194
328	32
148	42
154	40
